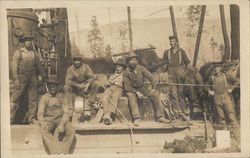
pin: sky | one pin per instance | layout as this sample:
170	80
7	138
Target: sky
119	13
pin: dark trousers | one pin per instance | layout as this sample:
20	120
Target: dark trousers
26	84
224	108
154	97
177	73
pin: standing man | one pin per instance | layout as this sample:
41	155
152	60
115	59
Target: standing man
113	92
53	116
177	61
221	92
134	77
26	67
80	80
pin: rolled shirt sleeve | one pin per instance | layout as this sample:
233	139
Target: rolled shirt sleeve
89	74
149	76
69	78
185	59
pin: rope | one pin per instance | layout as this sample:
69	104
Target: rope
129	126
195	85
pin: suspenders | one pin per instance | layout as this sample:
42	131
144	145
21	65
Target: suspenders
225	80
179	53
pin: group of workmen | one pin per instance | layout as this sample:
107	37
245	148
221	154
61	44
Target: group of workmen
54	110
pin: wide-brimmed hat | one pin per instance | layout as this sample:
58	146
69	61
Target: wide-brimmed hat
53	80
130	56
121	62
77	56
26	37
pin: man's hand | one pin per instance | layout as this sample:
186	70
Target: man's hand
86	88
40	79
210	92
229	90
59	129
139	95
17	84
43	125
82	86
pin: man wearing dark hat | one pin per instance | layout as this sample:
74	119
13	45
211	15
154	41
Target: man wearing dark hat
53	116
135	88
221	92
80	80
113	91
26	67
177	61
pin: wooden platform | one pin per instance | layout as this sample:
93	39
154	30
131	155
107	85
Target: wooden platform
149	137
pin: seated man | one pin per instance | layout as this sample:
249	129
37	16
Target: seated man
53	116
80	80
113	91
134	86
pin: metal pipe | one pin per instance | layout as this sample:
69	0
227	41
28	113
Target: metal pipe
198	39
173	23
130	29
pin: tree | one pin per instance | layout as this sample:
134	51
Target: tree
193	13
95	40
123	37
108	51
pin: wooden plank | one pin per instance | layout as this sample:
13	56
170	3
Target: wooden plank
25	137
123	126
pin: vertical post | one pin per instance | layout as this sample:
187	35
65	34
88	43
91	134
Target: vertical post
130	30
110	29
78	32
225	35
198	39
235	31
173	22
62	47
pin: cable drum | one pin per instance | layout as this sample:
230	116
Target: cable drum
79	105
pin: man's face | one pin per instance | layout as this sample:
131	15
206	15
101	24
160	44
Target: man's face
173	43
119	69
77	63
53	88
133	62
28	44
218	69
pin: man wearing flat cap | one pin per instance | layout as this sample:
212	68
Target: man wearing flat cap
26	71
134	77
177	61
80	80
113	92
54	118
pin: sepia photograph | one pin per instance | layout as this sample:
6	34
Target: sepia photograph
125	78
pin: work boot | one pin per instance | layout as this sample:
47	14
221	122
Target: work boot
107	120
137	122
162	119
